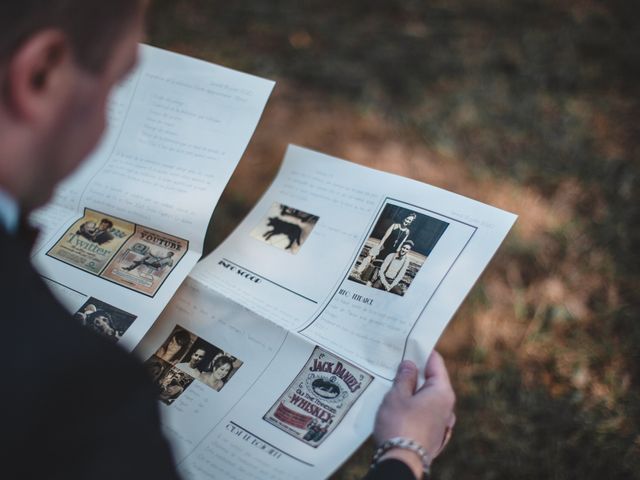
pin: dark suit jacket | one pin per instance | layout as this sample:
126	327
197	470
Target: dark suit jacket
73	406
391	469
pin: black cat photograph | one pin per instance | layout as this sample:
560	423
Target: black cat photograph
285	227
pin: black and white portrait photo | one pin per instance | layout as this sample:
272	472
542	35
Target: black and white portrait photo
285	227
104	319
399	244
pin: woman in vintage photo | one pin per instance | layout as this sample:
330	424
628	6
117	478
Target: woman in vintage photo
175	347
220	369
395	236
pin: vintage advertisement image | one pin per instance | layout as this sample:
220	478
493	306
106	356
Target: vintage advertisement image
319	397
285	227
146	260
398	246
92	241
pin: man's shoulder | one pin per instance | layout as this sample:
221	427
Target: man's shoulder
67	389
37	323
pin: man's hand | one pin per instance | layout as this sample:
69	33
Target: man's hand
425	416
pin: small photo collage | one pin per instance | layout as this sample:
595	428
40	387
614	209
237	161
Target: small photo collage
185	357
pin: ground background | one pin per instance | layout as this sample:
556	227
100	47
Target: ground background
530	105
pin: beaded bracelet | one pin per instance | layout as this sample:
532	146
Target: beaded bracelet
407	444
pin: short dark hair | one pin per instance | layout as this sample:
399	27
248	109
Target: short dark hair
182	337
107	221
91	25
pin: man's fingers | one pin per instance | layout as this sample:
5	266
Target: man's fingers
436	371
406	378
437	380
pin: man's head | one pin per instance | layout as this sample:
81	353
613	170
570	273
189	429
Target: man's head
196	357
105	224
58	62
405	248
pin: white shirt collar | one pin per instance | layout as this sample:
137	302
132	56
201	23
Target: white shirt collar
9	212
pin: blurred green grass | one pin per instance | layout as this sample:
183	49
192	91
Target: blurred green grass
531	105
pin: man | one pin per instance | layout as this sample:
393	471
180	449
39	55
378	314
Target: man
191	367
82	408
156	262
103	233
393	269
96	233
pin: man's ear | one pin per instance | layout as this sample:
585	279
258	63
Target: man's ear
37	76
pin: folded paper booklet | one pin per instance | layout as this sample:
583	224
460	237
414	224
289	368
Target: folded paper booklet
273	355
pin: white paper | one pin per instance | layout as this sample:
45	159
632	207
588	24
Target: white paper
310	291
177	129
222	433
312	347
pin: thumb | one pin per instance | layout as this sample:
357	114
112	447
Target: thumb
406	378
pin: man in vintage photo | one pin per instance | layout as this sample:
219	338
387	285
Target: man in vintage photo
103	233
83	408
96	233
193	365
393	269
156	262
